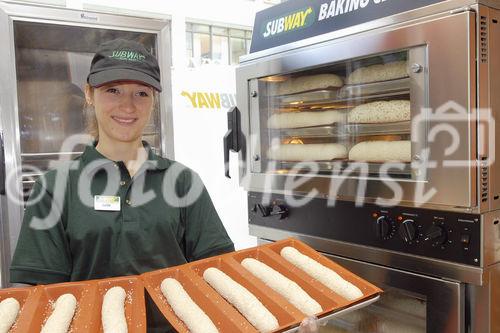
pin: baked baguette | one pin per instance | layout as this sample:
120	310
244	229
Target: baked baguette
307	152
381	151
304	119
380	112
376	73
309	82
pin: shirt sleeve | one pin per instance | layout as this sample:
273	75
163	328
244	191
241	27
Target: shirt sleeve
205	234
42	254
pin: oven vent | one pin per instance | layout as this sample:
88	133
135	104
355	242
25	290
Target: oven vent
484	179
483	26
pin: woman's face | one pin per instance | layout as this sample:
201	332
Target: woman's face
122	110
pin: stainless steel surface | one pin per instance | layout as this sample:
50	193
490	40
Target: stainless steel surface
445	299
445	68
327	318
493	79
491	238
484	302
415	16
10	13
397	260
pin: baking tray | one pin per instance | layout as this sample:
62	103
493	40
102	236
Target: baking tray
340	165
84	293
227	318
26	298
135	307
346	129
375	88
223	315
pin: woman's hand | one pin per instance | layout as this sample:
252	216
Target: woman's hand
309	325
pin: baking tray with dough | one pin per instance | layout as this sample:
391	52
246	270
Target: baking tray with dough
226	317
135	308
84	292
26	298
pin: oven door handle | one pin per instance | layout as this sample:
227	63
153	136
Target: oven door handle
232	137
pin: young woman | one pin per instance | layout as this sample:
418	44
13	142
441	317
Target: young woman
119	209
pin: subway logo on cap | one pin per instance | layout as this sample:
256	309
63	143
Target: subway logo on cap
293	21
127	55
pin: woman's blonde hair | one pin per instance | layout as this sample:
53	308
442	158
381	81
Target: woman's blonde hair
91	125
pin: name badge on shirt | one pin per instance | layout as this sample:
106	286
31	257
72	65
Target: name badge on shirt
107	202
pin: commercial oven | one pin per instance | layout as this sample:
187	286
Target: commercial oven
46	54
372	138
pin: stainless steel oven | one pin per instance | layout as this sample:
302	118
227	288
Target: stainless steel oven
444	88
376	144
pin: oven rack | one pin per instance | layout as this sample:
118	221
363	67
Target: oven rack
345	96
339	166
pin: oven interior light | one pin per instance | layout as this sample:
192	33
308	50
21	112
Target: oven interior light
296	142
375	215
400	218
276	78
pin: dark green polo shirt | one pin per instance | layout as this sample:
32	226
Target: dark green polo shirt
161	221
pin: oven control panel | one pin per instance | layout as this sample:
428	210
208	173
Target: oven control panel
437	234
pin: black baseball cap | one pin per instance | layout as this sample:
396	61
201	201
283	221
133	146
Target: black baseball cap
123	60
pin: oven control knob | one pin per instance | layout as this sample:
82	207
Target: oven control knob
384	227
436	235
408	231
280	211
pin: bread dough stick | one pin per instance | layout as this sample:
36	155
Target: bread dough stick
321	273
382	72
9	309
305	119
307	152
113	311
242	299
287	288
380	112
62	315
381	151
309	82
185	308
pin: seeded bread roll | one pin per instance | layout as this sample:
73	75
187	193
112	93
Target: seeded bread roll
323	274
113	311
185	308
242	299
380	112
307	152
287	288
9	309
304	119
376	73
310	82
381	151
60	319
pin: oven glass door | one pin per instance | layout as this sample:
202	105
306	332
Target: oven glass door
411	303
358	110
52	63
388	115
